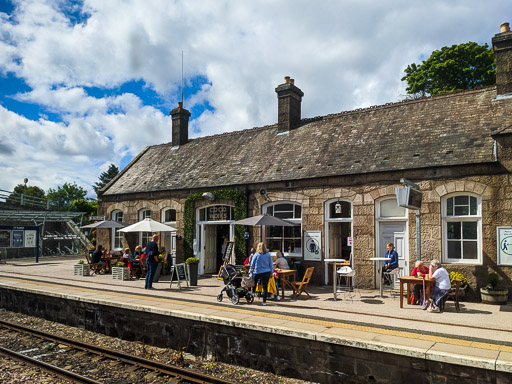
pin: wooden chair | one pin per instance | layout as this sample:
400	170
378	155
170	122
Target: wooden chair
300	287
454	293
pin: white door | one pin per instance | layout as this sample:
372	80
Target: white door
394	232
210	248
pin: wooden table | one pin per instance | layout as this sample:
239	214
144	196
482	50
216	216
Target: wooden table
413	280
286	277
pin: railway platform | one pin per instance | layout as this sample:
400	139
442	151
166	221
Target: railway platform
364	330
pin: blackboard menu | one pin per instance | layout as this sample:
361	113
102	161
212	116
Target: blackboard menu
179	274
227	251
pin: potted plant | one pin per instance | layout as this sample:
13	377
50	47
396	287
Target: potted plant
82	269
463	282
120	271
491	294
192	265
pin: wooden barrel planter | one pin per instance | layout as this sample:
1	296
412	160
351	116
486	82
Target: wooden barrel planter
494	296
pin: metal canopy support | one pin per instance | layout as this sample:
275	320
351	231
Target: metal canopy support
418	221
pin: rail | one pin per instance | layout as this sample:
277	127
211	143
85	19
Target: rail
25	200
140	362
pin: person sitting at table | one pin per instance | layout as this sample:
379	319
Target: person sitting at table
442	287
391	264
96	258
126	257
136	260
419	270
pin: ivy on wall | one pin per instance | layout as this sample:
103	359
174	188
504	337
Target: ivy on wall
190	221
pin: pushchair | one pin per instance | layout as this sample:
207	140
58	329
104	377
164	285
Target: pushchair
233	285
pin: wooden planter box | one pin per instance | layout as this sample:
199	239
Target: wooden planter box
82	270
497	296
121	273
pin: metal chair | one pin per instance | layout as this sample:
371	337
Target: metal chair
392	278
347	274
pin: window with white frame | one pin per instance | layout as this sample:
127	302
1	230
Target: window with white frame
285	239
145	236
462	229
169	216
118	216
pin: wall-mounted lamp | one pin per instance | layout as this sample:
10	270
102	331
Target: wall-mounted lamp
209	195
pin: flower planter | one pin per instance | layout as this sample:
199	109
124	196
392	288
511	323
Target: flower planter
82	270
121	273
192	273
495	296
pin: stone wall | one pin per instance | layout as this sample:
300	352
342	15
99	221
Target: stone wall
494	190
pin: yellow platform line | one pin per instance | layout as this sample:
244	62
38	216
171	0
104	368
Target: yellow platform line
305	320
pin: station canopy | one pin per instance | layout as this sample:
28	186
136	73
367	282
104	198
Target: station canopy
36	217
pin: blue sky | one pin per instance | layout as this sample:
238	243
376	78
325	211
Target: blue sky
84	84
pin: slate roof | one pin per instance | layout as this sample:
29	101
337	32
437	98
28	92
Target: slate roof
437	131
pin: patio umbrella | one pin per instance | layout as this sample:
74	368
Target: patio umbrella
265	220
148	225
105	224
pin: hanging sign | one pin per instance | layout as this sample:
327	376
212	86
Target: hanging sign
30	239
504	245
312	245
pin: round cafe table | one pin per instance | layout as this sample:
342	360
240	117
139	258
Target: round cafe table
381	267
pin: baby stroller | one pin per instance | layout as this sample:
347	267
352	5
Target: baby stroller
233	285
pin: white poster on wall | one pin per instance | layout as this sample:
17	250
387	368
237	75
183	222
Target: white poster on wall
30	239
504	245
312	245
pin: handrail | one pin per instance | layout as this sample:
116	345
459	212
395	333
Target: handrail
25	200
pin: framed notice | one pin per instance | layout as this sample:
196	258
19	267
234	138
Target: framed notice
312	245
18	238
5	238
504	245
30	239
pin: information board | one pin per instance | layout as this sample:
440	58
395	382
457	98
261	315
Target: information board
179	274
312	245
30	239
18	239
504	245
5	238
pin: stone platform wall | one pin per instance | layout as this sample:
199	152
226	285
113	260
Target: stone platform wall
290	356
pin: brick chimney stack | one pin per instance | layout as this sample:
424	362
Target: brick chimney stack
502	45
179	125
289	98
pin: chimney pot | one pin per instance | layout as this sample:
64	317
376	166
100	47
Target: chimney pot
502	46
180	104
286	79
292	81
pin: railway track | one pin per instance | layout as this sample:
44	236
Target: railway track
81	362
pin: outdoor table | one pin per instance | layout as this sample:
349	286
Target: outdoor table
414	280
335	263
381	267
108	260
286	276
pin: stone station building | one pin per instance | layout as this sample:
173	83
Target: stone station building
335	177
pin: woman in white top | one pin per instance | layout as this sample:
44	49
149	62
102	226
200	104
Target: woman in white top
443	286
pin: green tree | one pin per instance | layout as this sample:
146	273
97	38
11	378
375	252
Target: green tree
106	177
83	205
64	195
30	191
459	67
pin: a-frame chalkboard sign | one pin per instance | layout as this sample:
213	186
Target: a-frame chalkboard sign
179	274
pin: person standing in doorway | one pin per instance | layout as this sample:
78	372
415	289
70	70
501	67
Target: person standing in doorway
152	260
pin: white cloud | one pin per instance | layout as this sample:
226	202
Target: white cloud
342	54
